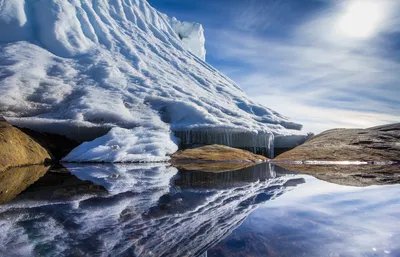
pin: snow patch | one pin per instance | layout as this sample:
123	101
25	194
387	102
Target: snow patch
126	145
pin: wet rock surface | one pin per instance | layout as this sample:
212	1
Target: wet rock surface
18	149
377	144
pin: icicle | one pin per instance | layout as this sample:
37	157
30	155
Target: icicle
271	146
260	143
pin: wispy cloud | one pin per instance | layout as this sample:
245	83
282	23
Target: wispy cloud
292	56
320	118
334	80
256	15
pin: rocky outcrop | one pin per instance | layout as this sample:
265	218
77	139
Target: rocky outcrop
18	149
215	158
377	144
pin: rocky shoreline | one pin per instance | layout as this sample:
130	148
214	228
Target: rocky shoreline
378	145
372	145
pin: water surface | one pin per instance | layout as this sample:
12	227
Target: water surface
156	210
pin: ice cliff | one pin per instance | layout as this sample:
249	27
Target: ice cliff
192	35
81	67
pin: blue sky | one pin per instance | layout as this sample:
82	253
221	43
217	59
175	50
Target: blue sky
324	63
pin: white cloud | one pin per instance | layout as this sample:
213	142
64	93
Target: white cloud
351	23
318	118
317	76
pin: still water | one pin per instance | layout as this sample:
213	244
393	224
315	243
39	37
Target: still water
157	210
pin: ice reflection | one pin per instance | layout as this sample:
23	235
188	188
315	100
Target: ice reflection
140	210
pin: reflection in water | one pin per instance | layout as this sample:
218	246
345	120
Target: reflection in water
233	178
320	219
156	210
150	210
351	175
60	184
15	180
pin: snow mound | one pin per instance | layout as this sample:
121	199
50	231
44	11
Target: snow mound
192	35
111	63
126	145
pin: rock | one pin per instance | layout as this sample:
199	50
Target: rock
215	158
350	175
217	153
18	149
15	180
377	144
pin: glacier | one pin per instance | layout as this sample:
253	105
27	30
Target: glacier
82	67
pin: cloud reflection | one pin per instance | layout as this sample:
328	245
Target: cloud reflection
321	219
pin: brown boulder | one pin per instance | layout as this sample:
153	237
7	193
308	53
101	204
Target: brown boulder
378	144
215	158
18	149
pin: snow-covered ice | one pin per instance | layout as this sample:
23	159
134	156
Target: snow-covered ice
70	65
126	145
